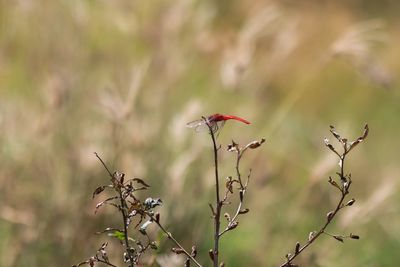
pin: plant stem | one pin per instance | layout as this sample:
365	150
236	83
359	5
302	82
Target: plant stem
217	215
243	188
170	236
106	263
122	209
239	156
124	217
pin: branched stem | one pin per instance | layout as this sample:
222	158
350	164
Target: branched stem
344	191
170	236
218	204
239	208
321	231
124	216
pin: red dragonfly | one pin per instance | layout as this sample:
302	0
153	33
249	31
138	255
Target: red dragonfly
215	121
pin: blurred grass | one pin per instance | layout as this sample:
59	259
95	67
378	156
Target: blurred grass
122	78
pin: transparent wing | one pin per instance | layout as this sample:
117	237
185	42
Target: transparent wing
201	126
196	123
217	126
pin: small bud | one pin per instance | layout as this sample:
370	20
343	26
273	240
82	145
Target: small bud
194	251
98	190
222	264
255	144
233	147
351	202
335	134
126	257
330	146
244	211
150	203
329	215
233	225
297	249
153	245
211	254
187	262
338	238
144	226
326	141
333	183
119	176
354	236
177	250
311	235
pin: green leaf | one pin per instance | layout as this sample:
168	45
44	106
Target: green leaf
119	235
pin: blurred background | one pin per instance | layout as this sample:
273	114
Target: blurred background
122	78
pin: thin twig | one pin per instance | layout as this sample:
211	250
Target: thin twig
122	210
104	165
238	158
170	236
108	263
218	206
124	217
239	208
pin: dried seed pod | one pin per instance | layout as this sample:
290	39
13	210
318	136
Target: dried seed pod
297	249
187	262
330	146
153	245
350	202
311	235
233	225
177	250
329	215
211	254
98	190
194	251
354	236
244	211
338	238
255	144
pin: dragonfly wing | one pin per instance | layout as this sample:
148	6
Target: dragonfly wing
214	127
198	125
217	126
201	125
201	128
195	124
